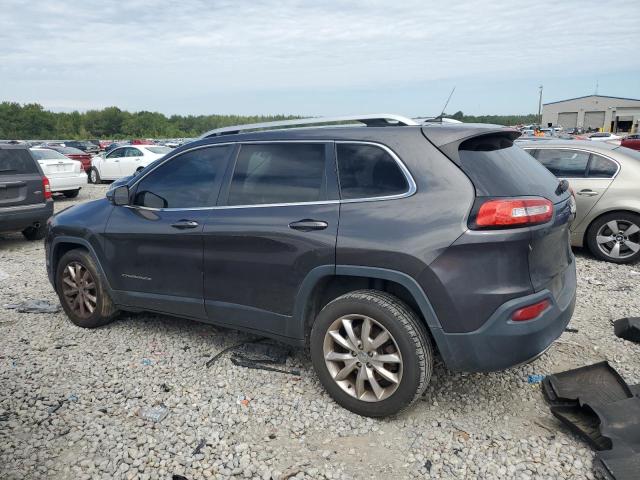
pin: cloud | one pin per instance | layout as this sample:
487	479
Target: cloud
101	52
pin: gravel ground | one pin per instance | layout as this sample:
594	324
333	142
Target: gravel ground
466	426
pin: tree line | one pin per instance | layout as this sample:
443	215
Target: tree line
508	120
32	121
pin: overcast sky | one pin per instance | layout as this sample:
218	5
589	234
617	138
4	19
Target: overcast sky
316	58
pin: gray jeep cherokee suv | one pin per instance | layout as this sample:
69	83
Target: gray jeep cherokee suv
25	193
374	245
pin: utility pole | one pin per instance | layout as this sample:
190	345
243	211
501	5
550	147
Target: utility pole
540	107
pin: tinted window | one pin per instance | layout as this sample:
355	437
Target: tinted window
47	155
16	162
368	171
564	163
601	167
189	180
116	153
498	168
278	173
133	152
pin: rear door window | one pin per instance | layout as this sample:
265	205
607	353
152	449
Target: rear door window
278	173
15	161
564	163
601	167
368	171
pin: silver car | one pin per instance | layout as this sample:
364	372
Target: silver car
606	182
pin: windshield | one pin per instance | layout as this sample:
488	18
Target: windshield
159	150
47	155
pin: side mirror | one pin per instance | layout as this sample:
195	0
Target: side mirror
119	195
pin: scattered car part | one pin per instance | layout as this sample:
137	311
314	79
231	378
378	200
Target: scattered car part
596	403
628	328
34	306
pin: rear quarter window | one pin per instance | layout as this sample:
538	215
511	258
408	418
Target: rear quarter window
601	167
368	171
17	162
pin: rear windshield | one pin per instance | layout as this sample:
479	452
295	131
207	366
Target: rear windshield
16	162
159	150
47	155
498	168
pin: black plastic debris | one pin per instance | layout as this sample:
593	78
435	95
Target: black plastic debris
199	447
257	354
596	403
628	328
34	306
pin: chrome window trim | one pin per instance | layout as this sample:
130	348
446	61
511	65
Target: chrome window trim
405	171
590	152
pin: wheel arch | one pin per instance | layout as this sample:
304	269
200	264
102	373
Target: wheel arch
326	283
602	214
61	245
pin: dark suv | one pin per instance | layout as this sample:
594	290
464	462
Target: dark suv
25	193
374	245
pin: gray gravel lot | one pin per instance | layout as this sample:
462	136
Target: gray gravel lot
466	426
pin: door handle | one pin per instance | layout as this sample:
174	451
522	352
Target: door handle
587	193
185	224
308	225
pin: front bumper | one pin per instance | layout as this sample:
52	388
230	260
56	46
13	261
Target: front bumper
502	343
73	181
20	217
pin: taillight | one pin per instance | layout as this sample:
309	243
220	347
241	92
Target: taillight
513	212
46	188
530	312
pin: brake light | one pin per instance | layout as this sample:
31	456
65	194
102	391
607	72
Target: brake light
46	188
530	312
514	212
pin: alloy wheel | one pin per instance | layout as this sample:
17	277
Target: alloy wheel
94	176
618	239
79	289
363	358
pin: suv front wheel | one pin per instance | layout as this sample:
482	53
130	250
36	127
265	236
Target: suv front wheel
82	290
371	353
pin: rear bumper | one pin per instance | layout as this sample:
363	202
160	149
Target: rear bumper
502	343
68	182
23	216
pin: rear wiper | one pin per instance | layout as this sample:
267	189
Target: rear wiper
563	186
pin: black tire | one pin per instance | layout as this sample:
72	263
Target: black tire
104	311
71	193
409	334
623	220
35	233
94	176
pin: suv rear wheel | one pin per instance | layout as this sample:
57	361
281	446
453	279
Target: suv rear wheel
371	353
615	237
82	291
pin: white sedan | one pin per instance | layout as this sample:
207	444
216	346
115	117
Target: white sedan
124	161
65	174
605	137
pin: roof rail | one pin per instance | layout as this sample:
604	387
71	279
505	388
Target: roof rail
370	120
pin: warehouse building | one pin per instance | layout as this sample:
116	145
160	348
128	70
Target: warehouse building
609	114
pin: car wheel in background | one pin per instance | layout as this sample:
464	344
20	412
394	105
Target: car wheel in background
71	193
35	233
371	353
615	237
82	290
94	176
